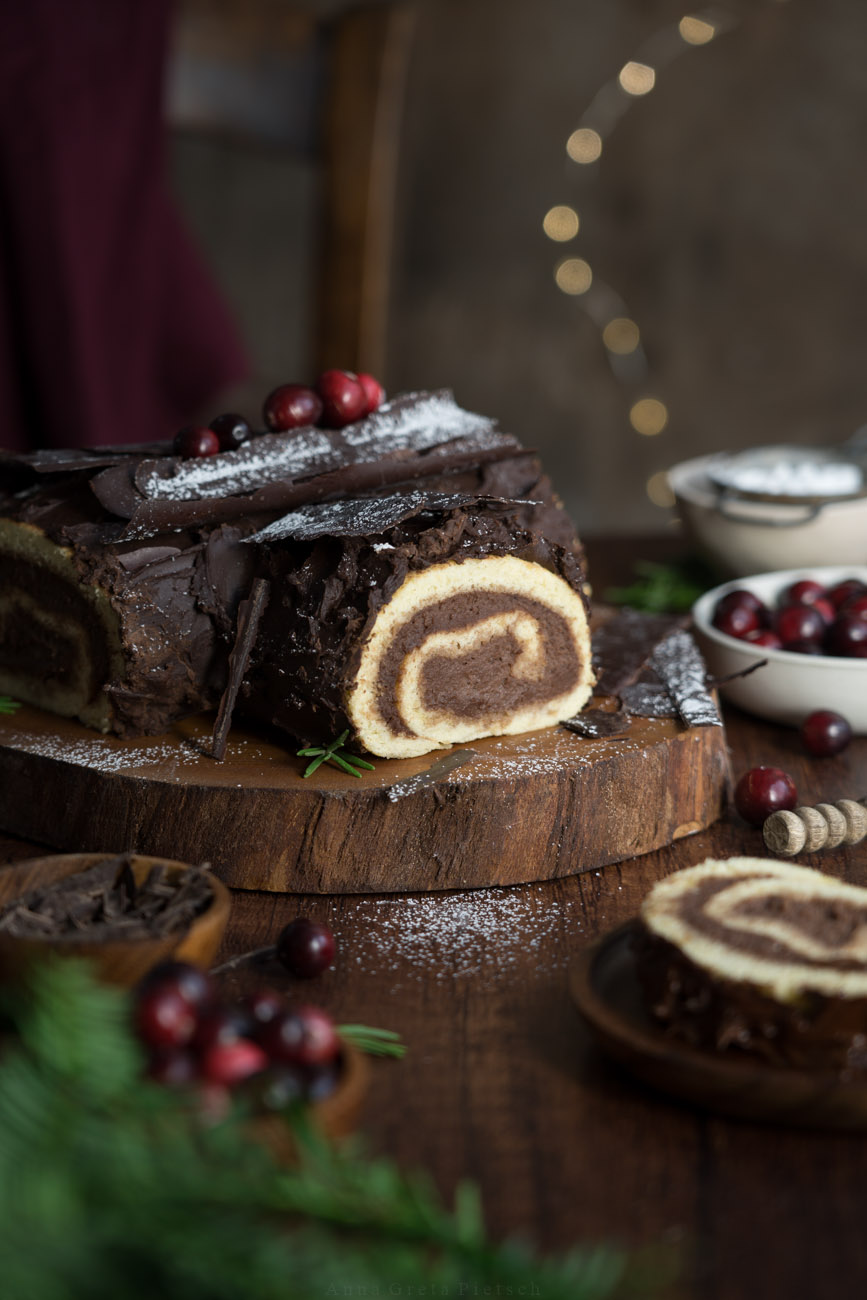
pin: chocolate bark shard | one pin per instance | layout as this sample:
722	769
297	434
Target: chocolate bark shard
249	615
598	724
648	699
367	516
448	763
679	664
624	644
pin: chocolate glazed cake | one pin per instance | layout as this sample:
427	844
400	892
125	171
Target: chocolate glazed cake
760	957
415	580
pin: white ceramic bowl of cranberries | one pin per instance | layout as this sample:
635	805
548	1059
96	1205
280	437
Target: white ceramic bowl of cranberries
792	684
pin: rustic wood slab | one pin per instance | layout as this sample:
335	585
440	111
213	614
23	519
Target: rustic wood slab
523	808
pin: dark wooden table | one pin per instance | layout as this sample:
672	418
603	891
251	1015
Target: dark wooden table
502	1084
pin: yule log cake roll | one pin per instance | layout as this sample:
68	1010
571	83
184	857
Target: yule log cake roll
416	620
761	957
122	569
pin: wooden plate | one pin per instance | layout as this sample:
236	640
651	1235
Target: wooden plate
604	985
520	808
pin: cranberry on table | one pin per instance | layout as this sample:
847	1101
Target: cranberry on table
825	733
762	791
231	429
302	1036
373	391
799	623
194	442
291	406
306	948
847	636
343	398
263	1006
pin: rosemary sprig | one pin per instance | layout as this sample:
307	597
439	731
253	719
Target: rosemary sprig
373	1041
331	754
7	705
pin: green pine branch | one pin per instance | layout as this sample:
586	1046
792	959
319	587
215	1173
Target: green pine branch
110	1186
334	753
7	705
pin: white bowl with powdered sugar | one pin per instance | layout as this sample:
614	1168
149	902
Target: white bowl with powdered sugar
773	508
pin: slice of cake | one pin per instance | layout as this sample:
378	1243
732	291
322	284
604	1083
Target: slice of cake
759	956
424	585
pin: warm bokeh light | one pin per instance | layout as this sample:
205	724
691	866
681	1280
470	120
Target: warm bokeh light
648	416
696	31
659	489
561	223
573	275
637	78
584	145
621	335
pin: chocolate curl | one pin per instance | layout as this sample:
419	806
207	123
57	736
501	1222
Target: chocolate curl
249	613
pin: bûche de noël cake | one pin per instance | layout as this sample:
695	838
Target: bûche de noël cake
759	957
419	583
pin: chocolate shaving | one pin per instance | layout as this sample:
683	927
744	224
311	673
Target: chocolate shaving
679	664
430	775
714	682
624	644
598	724
104	903
367	516
249	613
648	699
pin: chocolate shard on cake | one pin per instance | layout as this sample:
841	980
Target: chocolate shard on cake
759	957
417	620
122	572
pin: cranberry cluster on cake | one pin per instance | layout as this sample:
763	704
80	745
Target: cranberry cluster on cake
417	581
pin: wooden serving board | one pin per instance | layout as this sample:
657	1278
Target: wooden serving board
522	808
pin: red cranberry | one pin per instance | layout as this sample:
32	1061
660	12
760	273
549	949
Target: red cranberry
856	605
825	733
194	442
322	1080
303	1036
799	623
804	648
762	791
173	1069
231	429
763	636
290	406
736	621
306	948
805	592
741	597
374	393
343	398
220	1025
193	984
847	636
262	1007
843	591
231	1062
164	1018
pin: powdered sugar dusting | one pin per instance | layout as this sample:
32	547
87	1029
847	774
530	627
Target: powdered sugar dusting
113	756
468	935
355	516
270	458
418	422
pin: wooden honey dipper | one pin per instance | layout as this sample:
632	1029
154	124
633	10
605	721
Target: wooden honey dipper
806	830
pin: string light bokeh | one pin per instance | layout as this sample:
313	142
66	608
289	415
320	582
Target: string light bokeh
574	274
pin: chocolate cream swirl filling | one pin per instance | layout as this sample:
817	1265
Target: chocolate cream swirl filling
491	646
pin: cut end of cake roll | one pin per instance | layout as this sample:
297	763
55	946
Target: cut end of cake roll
762	956
484	647
59	635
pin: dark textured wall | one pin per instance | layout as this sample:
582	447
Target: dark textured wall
727	212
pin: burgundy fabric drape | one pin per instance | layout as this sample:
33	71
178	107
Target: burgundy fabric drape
111	329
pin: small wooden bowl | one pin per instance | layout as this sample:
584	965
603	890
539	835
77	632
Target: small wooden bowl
121	962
